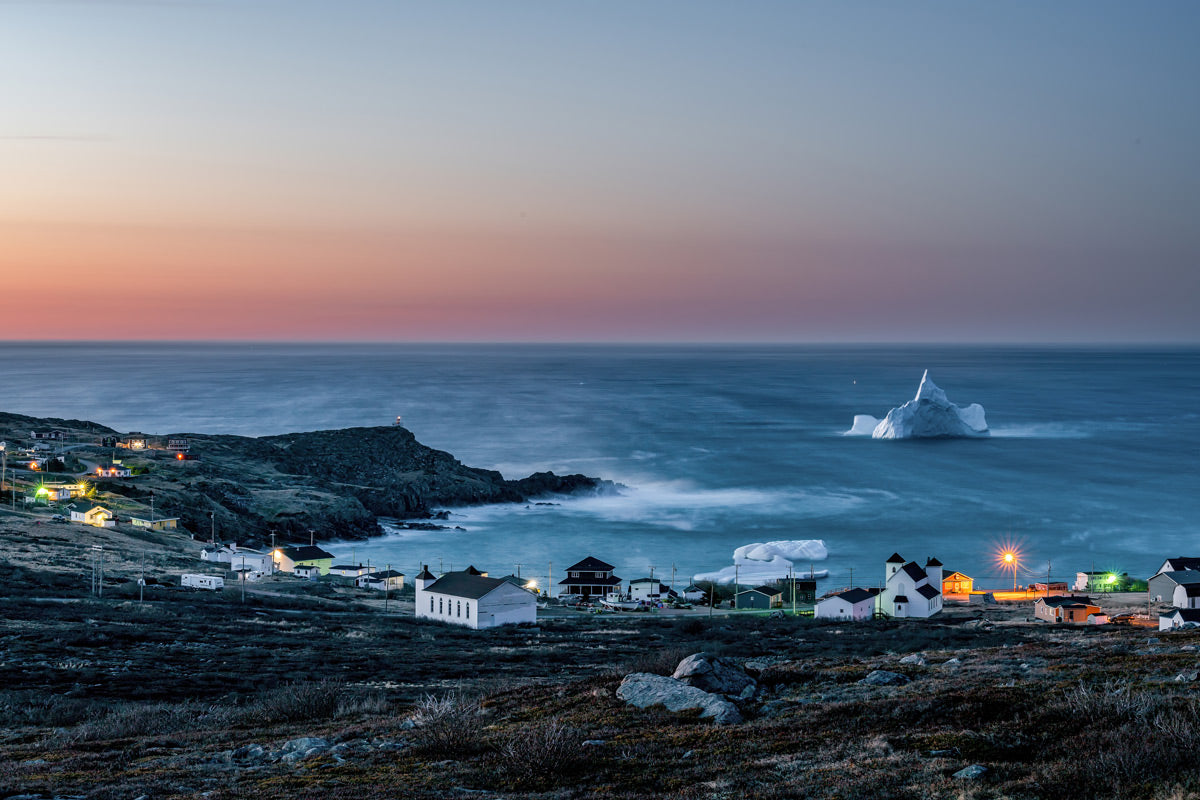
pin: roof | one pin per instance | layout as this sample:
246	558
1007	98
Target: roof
932	562
855	596
472	571
1184	562
1186	614
306	552
306	567
590	564
927	591
611	580
646	580
462	584
769	591
900	598
83	507
385	573
913	571
1062	601
896	559
1182	576
950	573
348	566
1191	589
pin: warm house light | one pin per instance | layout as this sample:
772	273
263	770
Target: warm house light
33	465
179	456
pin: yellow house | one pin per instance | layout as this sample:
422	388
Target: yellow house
91	514
288	558
159	524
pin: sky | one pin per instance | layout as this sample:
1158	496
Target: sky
627	170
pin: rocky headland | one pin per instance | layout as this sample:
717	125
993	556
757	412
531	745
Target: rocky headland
333	484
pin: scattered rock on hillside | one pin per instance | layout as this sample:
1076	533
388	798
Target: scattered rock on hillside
716	675
915	658
882	677
972	772
643	689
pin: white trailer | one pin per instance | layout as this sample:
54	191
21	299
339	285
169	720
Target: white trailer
203	582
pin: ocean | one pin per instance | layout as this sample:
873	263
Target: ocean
1091	462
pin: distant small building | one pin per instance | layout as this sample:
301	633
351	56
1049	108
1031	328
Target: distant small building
694	594
91	514
56	435
528	584
1179	618
851	605
805	590
239	558
108	441
649	590
759	597
955	582
113	471
472	600
133	441
1056	587
1068	609
288	558
156	524
57	492
590	578
1101	582
178	443
350	571
383	579
307	571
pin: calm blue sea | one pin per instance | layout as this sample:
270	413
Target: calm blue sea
1093	458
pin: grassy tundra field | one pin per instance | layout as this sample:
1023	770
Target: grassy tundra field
300	692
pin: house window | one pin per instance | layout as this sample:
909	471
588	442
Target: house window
439	605
431	605
468	609
458	609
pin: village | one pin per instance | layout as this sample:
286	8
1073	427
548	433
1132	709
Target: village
35	471
238	665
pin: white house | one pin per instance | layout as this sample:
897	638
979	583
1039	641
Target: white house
852	604
113	471
1179	618
472	600
1186	595
694	594
239	558
1161	587
91	514
649	590
307	571
351	570
911	591
383	579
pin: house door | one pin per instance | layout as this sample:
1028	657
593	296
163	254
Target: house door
900	610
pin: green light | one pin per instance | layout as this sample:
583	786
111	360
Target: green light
42	490
1112	578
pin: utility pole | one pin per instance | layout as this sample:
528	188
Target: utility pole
387	583
851	577
243	578
152	511
142	579
518	566
1047	579
672	576
212	518
736	603
312	537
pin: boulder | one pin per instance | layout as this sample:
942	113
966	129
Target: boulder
915	658
882	677
716	675
972	772
643	689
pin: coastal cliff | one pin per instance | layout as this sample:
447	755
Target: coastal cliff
332	484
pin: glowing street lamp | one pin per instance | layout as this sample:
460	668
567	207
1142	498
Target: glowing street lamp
1009	558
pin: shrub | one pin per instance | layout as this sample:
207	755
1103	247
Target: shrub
448	726
539	755
293	702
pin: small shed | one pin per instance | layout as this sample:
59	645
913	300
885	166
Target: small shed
307	571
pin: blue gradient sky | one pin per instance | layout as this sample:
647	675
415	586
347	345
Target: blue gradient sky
781	171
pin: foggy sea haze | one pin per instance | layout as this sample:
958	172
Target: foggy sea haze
1091	459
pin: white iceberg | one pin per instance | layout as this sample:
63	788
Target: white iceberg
766	562
929	415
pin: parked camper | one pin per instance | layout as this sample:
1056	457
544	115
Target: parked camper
203	582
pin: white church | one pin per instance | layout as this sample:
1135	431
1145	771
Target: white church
473	600
911	590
